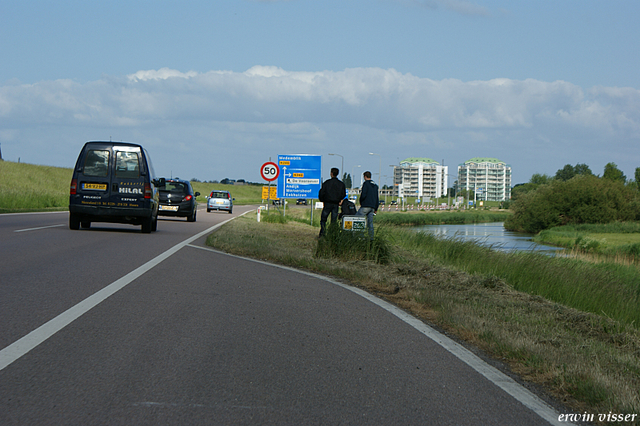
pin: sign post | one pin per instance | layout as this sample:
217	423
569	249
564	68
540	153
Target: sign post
300	177
269	172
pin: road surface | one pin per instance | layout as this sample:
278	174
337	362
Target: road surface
109	326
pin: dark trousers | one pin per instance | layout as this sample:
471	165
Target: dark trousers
328	208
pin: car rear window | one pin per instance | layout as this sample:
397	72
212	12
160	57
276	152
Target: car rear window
127	164
96	163
177	187
220	194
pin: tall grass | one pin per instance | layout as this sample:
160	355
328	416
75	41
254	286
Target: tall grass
29	187
451	218
616	240
353	245
604	289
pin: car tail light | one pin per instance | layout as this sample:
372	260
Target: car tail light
74	186
187	198
147	191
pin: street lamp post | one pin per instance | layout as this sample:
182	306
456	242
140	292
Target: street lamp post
393	182
380	172
454	191
386	177
352	175
342	167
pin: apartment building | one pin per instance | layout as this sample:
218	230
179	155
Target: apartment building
490	178
420	177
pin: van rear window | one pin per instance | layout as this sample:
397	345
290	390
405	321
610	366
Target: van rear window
96	164
127	164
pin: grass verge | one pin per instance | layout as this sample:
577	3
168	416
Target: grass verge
28	187
617	242
589	361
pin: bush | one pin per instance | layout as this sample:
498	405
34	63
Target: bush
582	199
353	245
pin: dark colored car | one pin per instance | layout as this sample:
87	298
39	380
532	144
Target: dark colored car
302	201
178	199
220	200
114	182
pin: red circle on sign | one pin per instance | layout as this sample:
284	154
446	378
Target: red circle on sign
270	171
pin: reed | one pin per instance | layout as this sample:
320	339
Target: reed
605	289
451	218
617	242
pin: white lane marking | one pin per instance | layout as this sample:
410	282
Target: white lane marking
22	346
28	213
41	227
504	382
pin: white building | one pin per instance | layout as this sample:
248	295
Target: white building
489	178
420	177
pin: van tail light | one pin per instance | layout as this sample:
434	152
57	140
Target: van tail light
74	187
147	191
187	198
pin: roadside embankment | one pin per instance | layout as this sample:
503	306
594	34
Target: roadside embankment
587	356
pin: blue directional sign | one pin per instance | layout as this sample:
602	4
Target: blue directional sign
299	176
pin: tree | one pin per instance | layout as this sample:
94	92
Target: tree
638	176
569	171
566	173
582	169
612	172
346	179
583	199
523	188
538	179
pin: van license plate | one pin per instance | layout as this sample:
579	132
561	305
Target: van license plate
95	186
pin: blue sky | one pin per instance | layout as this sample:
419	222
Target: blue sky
214	89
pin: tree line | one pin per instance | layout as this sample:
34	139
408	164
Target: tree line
574	196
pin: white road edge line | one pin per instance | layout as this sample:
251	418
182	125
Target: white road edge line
41	227
504	382
29	213
22	346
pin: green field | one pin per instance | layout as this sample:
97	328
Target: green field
243	194
29	187
619	240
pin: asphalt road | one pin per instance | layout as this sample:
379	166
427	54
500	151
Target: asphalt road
109	326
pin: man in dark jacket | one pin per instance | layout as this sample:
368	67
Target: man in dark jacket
331	194
368	201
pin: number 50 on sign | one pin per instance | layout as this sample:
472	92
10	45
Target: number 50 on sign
270	171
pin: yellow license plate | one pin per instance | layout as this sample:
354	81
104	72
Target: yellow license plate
169	208
95	186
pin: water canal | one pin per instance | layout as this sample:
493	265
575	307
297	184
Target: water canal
490	234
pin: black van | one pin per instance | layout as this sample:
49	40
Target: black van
114	182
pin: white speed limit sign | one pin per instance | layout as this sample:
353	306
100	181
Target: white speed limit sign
270	171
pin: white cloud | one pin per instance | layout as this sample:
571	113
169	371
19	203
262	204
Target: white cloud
267	107
161	74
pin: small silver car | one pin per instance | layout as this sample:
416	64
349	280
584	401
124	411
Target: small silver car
220	200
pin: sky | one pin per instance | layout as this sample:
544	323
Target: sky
214	89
